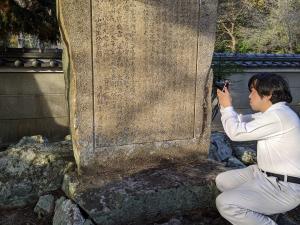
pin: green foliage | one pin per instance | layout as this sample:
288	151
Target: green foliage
259	26
36	17
244	46
270	26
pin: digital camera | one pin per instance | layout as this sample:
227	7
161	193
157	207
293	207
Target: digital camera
221	84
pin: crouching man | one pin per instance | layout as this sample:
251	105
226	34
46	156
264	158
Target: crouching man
250	195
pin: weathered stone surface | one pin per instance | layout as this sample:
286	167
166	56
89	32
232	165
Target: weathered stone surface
139	81
67	213
146	196
30	169
45	205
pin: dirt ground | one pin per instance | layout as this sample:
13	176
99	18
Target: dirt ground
22	216
26	216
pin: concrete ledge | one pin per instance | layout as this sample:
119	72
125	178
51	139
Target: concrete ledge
147	196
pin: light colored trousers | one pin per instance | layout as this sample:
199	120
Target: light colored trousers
248	196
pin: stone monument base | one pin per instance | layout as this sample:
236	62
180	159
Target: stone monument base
147	196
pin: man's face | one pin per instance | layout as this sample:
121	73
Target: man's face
257	103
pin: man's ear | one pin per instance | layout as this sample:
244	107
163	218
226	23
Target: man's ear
267	97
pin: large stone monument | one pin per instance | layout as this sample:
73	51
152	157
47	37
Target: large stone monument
139	81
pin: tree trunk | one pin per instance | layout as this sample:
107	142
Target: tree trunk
230	32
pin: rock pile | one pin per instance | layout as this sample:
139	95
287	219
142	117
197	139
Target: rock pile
233	155
33	169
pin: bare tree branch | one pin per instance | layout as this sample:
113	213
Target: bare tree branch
27	4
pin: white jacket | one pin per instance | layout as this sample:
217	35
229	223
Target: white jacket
277	131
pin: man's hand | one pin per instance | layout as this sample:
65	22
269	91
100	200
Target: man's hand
225	99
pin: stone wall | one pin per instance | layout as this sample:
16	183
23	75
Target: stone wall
32	101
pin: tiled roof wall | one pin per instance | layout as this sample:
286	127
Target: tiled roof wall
30	58
18	57
257	60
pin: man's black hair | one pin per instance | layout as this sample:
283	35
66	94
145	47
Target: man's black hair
271	84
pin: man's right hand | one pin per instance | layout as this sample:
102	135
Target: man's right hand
224	97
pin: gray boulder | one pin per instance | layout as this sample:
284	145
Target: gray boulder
145	197
234	163
245	154
173	221
44	206
67	213
220	149
68	138
36	139
88	222
30	169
